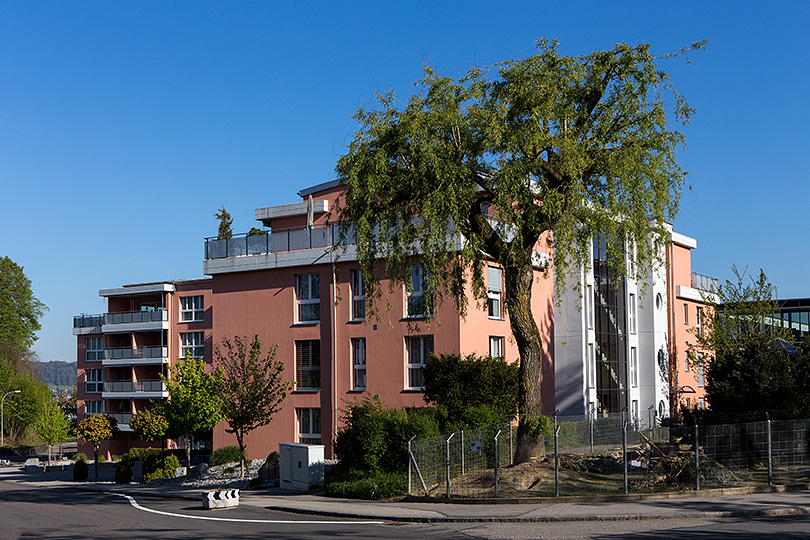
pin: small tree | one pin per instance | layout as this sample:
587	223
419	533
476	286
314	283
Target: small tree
94	429
194	404
53	427
252	387
225	222
150	424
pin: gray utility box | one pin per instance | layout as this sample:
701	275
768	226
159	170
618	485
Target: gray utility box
300	466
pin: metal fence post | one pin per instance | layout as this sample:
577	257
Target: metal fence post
511	450
770	455
624	455
591	414
462	451
497	478
556	459
447	464
697	458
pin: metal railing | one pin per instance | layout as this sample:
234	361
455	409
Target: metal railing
143	353
276	241
121	418
705	283
134	386
87	321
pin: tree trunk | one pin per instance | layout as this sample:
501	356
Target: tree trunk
519	278
189	440
95	461
239	438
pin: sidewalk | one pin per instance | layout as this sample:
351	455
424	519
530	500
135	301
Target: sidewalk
682	505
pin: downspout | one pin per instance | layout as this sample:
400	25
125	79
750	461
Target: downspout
334	352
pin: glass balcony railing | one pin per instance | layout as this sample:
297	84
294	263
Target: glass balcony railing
86	321
144	353
276	241
121	418
134	386
705	283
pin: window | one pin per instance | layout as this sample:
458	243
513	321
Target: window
308	295
631	314
191	308
358	296
417	348
633	366
496	347
699	321
309	426
191	344
417	296
308	364
94	349
358	363
494	291
591	368
700	371
93	407
686	314
589	306
94	380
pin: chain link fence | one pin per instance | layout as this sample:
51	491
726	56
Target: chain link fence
587	456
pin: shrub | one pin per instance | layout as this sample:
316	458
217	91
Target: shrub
140	454
80	470
123	472
81	456
102	459
227	454
155	467
379	486
229	470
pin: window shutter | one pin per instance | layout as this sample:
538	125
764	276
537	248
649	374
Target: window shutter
494	279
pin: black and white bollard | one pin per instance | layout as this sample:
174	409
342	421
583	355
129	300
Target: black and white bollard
225	498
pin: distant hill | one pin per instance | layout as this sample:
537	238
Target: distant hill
56	374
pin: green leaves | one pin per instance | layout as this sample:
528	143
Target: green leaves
20	310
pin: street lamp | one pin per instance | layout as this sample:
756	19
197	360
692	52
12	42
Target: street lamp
3	416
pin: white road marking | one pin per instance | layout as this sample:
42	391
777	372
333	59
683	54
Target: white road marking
135	504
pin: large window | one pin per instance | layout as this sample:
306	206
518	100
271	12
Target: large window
633	367
192	344
308	296
94	349
494	292
191	308
358	363
358	296
418	299
93	407
631	314
309	425
418	348
94	380
308	364
699	321
496	347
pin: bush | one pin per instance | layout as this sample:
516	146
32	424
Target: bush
155	467
379	486
102	459
227	454
80	470
81	456
140	454
123	472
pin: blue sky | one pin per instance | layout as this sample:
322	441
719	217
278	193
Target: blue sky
125	125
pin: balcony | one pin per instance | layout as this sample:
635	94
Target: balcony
143	356
277	241
122	419
133	321
134	389
702	282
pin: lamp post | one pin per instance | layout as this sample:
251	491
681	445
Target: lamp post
3	416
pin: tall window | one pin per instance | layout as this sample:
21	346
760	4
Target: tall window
686	314
94	380
192	344
308	364
417	295
496	347
700	371
417	349
686	361
308	296
358	363
494	292
358	295
191	308
94	349
699	321
309	425
589	306
631	314
93	407
633	366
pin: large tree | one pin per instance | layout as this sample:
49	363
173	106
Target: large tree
52	427
194	404
94	429
252	387
549	148
150	424
20	310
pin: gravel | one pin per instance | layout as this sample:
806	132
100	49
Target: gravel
216	477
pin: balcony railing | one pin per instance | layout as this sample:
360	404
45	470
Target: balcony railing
144	353
275	241
86	321
134	386
705	283
122	418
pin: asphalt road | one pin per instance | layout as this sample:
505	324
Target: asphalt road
68	513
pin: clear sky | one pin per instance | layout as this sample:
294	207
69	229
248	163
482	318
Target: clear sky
125	125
